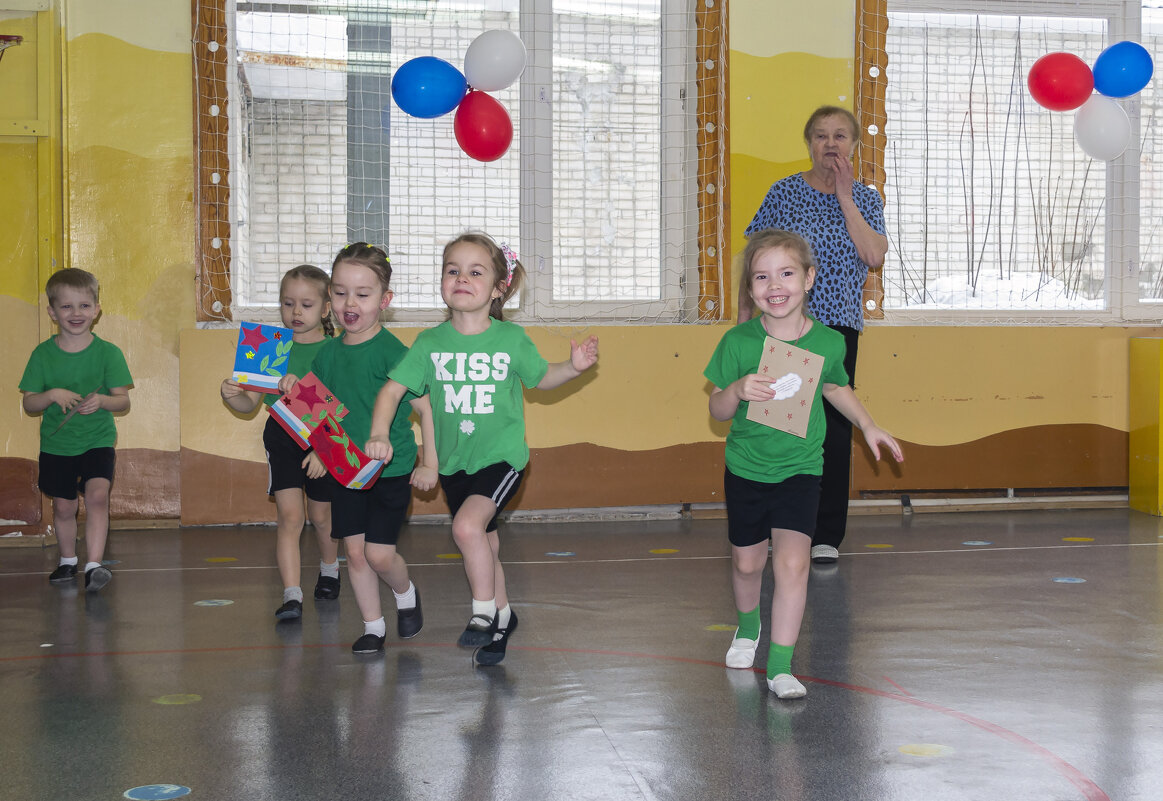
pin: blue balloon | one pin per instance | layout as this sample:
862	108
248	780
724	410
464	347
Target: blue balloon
427	87
1122	69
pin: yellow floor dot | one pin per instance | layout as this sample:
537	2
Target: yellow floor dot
878	545
178	698
1078	539
925	750
664	550
448	556
222	559
721	627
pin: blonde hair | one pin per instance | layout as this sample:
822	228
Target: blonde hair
72	278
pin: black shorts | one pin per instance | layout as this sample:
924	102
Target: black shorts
754	508
64	476
285	465
378	512
497	482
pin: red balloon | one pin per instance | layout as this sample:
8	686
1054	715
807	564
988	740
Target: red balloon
482	126
1060	81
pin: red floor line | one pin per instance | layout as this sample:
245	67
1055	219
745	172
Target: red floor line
894	684
1090	790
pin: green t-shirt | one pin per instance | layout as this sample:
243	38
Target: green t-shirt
298	364
101	367
754	450
356	373
474	383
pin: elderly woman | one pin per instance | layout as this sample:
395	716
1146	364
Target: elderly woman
843	221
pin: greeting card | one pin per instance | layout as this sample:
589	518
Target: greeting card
344	461
795	377
302	409
261	358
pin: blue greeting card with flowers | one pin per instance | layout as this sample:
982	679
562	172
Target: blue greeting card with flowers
261	358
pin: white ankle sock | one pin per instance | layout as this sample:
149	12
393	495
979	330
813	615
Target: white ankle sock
406	600
486	608
376	627
68	560
503	615
331	570
293	594
90	565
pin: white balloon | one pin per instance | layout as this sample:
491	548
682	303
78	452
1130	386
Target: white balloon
494	60
1101	128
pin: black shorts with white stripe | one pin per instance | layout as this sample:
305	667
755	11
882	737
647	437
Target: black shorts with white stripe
497	482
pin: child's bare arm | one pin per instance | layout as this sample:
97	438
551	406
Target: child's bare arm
844	399
379	446
424	477
581	358
37	402
238	398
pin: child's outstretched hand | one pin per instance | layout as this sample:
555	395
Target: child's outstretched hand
423	478
287	383
379	447
585	355
313	466
875	437
755	388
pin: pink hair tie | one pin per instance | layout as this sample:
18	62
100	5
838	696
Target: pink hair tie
510	262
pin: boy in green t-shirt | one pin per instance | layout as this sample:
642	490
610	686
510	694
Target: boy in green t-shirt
76	381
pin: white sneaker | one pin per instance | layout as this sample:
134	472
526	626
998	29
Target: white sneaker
741	654
824	554
785	685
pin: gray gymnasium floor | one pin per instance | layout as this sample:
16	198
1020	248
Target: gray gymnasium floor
981	656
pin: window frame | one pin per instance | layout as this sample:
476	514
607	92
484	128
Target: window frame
1122	184
708	219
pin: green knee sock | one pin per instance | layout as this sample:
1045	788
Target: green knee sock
749	624
779	659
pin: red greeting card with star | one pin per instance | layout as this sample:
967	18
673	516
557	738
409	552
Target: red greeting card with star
261	358
302	409
795	378
343	459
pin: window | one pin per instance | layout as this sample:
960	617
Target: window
994	213
609	191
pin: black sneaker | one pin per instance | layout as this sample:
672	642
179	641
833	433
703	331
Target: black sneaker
494	652
97	577
478	632
410	621
62	574
291	610
326	588
368	644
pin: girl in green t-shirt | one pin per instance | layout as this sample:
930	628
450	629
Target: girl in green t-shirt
473	367
772	480
306	310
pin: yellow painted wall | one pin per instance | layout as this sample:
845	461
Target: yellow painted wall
127	160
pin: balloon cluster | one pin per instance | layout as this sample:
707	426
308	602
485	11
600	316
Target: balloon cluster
1063	82
429	87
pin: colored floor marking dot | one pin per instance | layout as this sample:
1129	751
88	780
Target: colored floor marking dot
177	699
213	602
560	553
46	645
222	559
157	792
925	750
878	545
448	556
977	542
1069	580
1078	539
721	627
664	550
